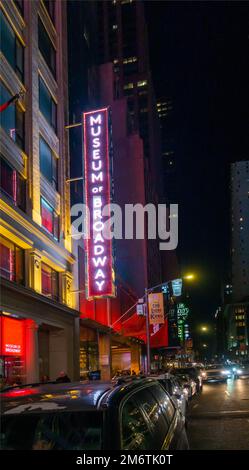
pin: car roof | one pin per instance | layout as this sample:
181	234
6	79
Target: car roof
165	376
63	397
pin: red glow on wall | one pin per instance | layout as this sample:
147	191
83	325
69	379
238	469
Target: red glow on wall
97	195
47	216
12	337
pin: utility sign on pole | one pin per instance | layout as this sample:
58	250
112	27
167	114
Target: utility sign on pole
141	311
156	309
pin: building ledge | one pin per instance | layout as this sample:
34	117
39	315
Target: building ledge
12	293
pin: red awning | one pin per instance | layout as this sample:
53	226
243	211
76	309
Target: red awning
136	326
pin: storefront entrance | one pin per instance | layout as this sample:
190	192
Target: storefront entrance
89	352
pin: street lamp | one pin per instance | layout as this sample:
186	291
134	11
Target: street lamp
189	277
204	328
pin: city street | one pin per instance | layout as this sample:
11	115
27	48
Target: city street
219	418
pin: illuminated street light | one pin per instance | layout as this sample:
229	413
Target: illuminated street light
204	345
204	328
189	277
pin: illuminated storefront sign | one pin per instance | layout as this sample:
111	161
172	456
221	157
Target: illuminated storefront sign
12	337
97	195
183	327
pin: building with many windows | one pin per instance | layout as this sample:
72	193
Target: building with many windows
240	229
39	325
233	317
168	127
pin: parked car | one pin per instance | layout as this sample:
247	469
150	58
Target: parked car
136	414
193	373
176	391
188	384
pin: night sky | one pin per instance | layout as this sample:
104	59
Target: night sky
199	58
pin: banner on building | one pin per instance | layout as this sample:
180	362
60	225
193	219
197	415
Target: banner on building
12	337
99	256
156	308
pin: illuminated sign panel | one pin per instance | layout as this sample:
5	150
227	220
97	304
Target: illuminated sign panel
177	287
97	195
12	337
182	315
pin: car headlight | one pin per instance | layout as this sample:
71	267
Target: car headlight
225	372
239	371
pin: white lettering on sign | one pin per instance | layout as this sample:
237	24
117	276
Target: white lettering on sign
13	348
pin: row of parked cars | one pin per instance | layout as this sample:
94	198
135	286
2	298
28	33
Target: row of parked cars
129	413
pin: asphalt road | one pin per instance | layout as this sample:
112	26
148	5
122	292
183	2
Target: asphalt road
219	417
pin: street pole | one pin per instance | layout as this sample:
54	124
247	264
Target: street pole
147	332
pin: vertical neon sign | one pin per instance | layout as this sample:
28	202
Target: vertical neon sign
97	195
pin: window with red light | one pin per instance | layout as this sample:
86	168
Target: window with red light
11	261
50	220
12	184
50	282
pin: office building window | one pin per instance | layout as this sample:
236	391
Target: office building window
46	47
12	118
47	105
48	163
50	220
11	261
13	184
19	4
50	284
11	47
50	7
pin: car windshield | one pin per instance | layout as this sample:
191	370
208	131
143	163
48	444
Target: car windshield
57	431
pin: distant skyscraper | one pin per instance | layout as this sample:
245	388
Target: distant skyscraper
165	112
240	229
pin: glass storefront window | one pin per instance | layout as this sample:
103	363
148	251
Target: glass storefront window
11	261
89	355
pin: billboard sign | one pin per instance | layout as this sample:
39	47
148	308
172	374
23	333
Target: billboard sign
12	337
156	308
99	259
